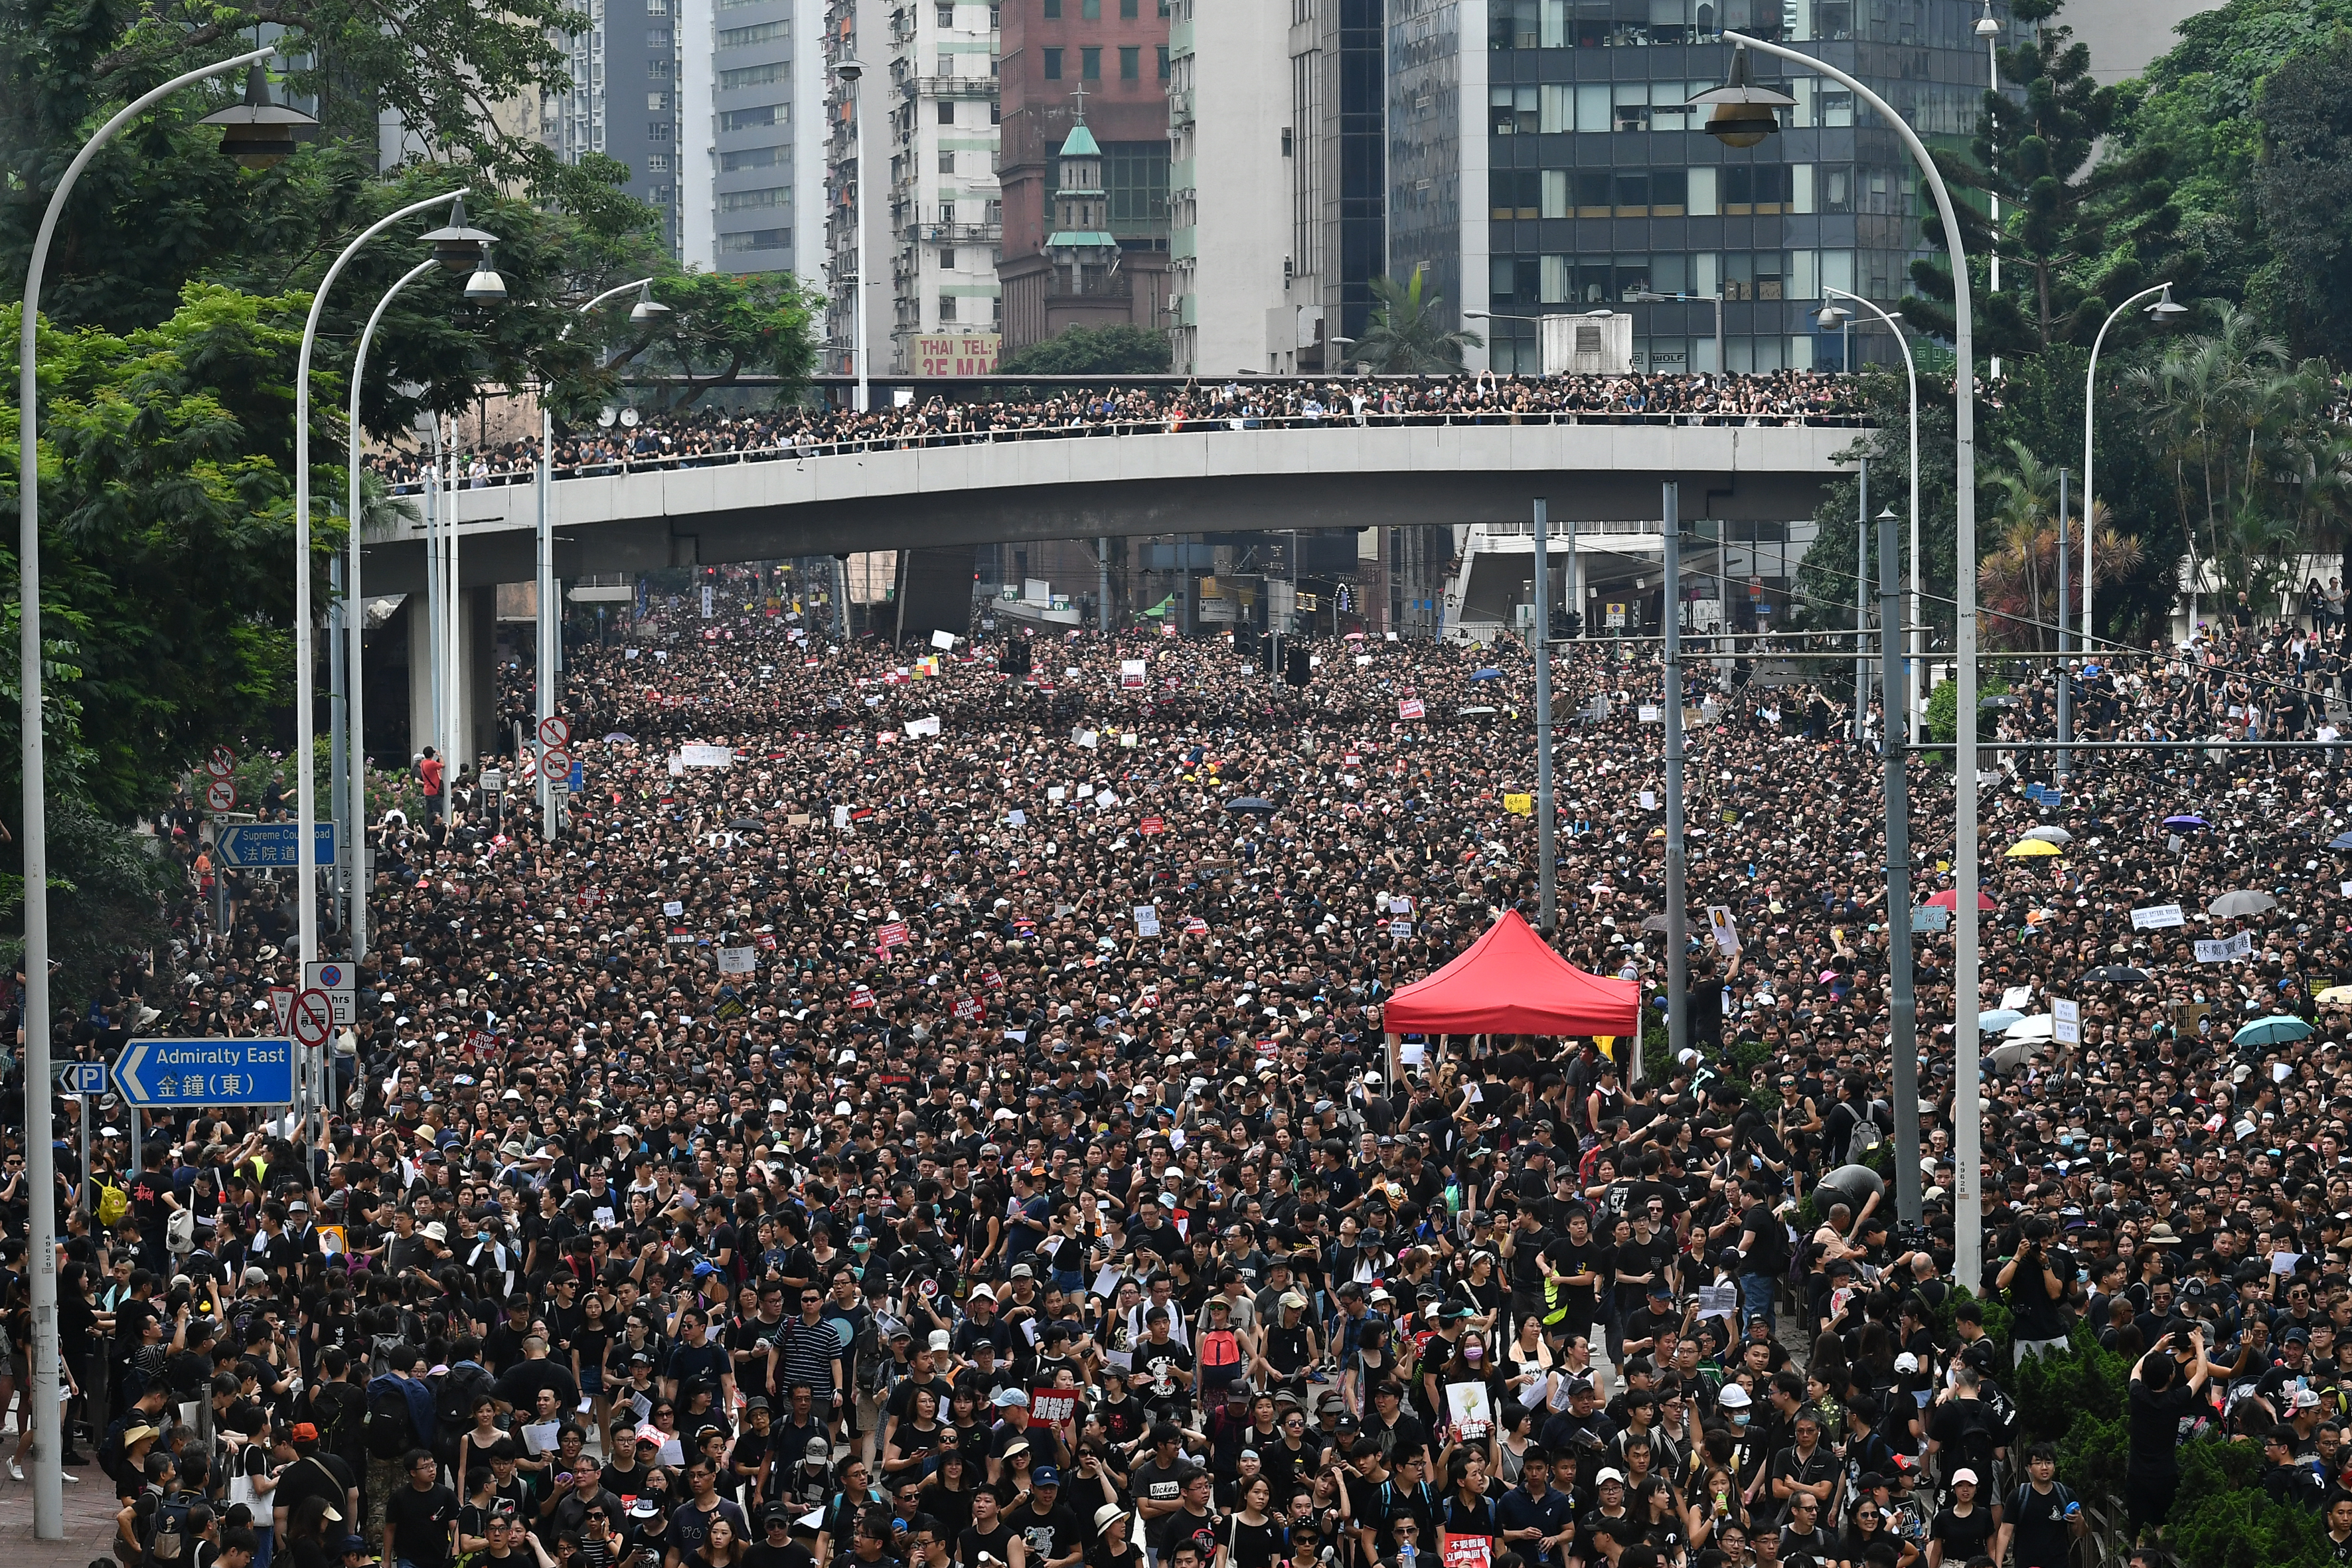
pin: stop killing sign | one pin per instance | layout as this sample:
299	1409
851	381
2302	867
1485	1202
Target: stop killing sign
220	762
555	730
313	1017
220	795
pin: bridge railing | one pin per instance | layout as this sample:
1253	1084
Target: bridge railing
614	465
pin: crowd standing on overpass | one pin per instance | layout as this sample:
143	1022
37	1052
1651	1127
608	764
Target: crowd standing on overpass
691	437
959	1130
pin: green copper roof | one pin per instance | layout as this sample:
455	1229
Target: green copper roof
1081	143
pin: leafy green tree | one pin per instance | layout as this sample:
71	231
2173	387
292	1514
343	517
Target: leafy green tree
1407	334
167	541
1093	351
719	328
2079	230
2303	189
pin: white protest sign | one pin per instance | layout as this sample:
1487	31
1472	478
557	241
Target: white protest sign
944	641
2066	1021
739	960
1727	932
705	756
2158	917
1147	921
920	727
2239	946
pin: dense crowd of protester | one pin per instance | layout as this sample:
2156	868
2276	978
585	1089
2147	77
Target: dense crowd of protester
932	1108
693	438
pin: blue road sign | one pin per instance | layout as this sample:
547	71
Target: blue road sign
244	844
207	1072
81	1078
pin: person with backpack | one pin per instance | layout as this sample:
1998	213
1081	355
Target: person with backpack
2043	1521
401	1417
337	1406
306	1469
151	1529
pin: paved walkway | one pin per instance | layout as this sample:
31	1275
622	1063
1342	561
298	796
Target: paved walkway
89	1520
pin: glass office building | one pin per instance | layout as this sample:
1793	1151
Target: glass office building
1602	185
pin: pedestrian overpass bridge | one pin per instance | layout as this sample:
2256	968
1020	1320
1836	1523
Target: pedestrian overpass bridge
1592	469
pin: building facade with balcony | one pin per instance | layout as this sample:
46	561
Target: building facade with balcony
1107	62
931	91
624	101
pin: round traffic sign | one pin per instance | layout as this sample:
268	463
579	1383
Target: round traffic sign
220	795
220	762
559	763
555	730
311	1018
331	976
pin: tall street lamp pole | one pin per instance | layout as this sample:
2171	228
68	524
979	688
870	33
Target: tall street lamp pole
306	791
1990	31
255	142
850	72
1911	372
549	628
354	629
2164	312
1744	115
1546	827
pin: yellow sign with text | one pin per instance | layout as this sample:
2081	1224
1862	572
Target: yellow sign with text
956	354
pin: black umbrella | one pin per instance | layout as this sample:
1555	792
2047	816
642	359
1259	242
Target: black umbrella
2116	974
1248	803
747	824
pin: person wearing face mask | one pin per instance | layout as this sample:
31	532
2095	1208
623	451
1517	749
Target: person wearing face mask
1748	1456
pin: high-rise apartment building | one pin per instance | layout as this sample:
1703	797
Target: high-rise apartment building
1230	149
930	93
751	136
624	100
1106	61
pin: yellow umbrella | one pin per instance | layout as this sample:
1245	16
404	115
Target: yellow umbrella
2337	993
2027	848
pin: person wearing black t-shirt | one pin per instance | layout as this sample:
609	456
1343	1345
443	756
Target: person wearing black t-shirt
420	1520
776	1548
1963	1531
987	1538
1052	1534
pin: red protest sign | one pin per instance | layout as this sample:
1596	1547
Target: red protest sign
1053	1404
1469	1552
1151	824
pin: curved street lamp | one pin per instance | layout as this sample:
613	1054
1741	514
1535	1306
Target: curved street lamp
1739	95
1831	316
304	721
40	1159
548	631
2164	313
355	628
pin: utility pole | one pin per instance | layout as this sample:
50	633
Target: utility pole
1548	909
1677	942
2065	682
1903	1006
1861	603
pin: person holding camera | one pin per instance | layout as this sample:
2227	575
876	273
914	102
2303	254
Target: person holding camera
2036	1296
2168	1384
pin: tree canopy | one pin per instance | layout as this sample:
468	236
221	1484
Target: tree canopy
1093	351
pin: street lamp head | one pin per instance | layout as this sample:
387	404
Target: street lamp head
485	286
1986	27
1888	515
1648	297
1745	113
455	246
1602	314
2164	312
849	71
1832	317
259	134
647	310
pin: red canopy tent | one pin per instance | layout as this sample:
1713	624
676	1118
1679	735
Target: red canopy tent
1511	983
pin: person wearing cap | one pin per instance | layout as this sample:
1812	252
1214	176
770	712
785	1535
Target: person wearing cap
1608	1523
1963	1528
1049	1529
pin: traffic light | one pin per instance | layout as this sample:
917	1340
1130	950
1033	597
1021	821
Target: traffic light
1016	658
1567	623
1294	664
1245	640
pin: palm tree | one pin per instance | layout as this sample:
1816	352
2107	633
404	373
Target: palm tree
1407	335
2028	554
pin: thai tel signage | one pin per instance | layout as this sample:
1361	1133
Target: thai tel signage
956	354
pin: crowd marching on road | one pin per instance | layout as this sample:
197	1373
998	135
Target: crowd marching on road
932	1108
694	437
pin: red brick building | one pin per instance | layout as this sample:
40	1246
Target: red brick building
1115	52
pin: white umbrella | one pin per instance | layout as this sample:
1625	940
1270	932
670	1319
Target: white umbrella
2040	1026
2240	902
2053	835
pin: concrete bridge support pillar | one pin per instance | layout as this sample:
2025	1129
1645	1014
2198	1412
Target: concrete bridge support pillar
476	687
